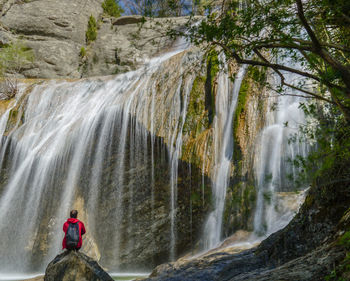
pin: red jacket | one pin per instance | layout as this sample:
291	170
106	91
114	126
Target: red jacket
81	232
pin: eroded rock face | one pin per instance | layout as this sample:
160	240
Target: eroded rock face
55	30
72	265
126	43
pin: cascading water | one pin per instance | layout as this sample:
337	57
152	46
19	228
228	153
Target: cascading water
104	146
223	149
273	161
77	139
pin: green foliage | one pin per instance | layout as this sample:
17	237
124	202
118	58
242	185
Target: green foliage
91	32
329	163
112	8
14	57
313	35
82	52
337	274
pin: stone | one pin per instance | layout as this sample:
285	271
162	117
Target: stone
127	20
65	20
72	265
55	31
307	249
124	47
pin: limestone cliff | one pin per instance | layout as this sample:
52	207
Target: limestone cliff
55	30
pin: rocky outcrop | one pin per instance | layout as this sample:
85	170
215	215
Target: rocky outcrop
55	30
72	265
126	45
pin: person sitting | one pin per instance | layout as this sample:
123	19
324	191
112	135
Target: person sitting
73	230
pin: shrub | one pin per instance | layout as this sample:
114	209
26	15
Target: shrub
13	58
8	88
91	32
82	52
111	8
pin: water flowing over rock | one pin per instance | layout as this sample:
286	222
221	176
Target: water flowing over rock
160	161
72	265
223	147
110	148
274	155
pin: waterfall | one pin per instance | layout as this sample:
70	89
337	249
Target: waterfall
79	137
226	102
111	147
274	153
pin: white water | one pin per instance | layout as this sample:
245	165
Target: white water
272	162
70	127
226	102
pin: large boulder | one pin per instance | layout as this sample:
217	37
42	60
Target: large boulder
72	265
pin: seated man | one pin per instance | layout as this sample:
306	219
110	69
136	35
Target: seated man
73	229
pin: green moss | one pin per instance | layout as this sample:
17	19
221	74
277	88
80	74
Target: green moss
196	123
194	120
239	206
213	59
91	32
345	240
82	52
213	66
341	272
309	200
16	118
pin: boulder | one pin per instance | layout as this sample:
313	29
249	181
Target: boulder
72	265
127	20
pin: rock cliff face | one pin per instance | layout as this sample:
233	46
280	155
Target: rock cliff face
55	30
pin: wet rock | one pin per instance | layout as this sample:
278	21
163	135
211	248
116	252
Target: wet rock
72	265
307	249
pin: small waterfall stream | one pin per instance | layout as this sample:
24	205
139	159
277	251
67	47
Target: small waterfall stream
223	146
273	161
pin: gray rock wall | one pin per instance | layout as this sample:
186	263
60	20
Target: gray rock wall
55	30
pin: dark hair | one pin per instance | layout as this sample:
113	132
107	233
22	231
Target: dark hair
74	214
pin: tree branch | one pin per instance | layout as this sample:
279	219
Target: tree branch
267	64
284	83
344	72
